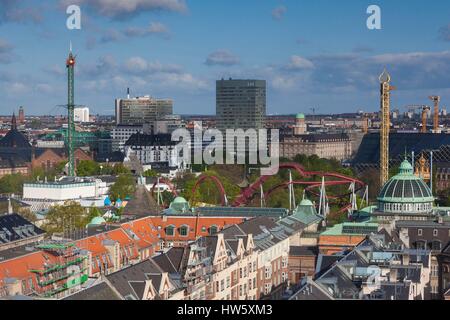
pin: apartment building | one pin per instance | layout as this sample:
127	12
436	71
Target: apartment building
376	269
272	243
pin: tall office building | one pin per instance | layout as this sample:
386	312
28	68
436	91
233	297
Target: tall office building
240	104
142	110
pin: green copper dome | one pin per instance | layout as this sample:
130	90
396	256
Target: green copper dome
405	192
300	116
306	202
179	200
179	204
97	221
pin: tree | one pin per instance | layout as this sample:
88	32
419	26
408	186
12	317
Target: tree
12	183
119	168
124	186
69	216
150	173
93	213
88	168
26	213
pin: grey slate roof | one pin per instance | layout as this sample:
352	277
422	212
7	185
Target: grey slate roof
14	227
130	282
100	291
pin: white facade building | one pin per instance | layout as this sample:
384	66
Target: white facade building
43	195
81	114
121	133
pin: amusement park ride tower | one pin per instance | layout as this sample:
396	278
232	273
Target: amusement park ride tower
386	89
70	64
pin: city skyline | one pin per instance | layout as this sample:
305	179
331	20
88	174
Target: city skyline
309	56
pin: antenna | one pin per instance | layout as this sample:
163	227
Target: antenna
70	46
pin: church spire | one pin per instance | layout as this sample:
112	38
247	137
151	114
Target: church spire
14	122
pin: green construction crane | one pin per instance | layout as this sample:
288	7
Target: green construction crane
70	108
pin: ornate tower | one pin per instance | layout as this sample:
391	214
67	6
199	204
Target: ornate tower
70	64
21	115
386	89
300	125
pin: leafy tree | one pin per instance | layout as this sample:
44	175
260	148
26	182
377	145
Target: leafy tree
12	183
93	213
88	168
167	197
26	213
71	215
119	168
150	173
124	186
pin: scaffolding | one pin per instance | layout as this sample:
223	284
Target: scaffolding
68	271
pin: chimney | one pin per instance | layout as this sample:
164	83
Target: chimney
393	274
406	259
128	93
10	208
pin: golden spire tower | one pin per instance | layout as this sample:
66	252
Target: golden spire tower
386	89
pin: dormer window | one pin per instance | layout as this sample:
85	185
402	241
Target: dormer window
184	231
170	231
213	229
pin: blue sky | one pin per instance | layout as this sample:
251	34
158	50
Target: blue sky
312	53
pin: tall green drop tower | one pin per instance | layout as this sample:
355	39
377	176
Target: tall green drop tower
70	64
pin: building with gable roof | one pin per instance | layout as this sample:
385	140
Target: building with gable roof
376	269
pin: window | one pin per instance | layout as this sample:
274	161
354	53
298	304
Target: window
170	231
267	288
435	233
213	229
184	230
228	281
419	232
268	272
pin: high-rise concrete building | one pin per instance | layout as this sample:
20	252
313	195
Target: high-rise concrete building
81	114
240	104
141	110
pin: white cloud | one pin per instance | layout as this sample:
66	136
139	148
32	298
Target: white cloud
222	57
155	28
298	63
128	8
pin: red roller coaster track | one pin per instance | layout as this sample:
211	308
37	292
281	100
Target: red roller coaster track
247	194
216	182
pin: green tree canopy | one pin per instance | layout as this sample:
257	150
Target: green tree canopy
124	186
12	183
88	168
69	216
150	173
